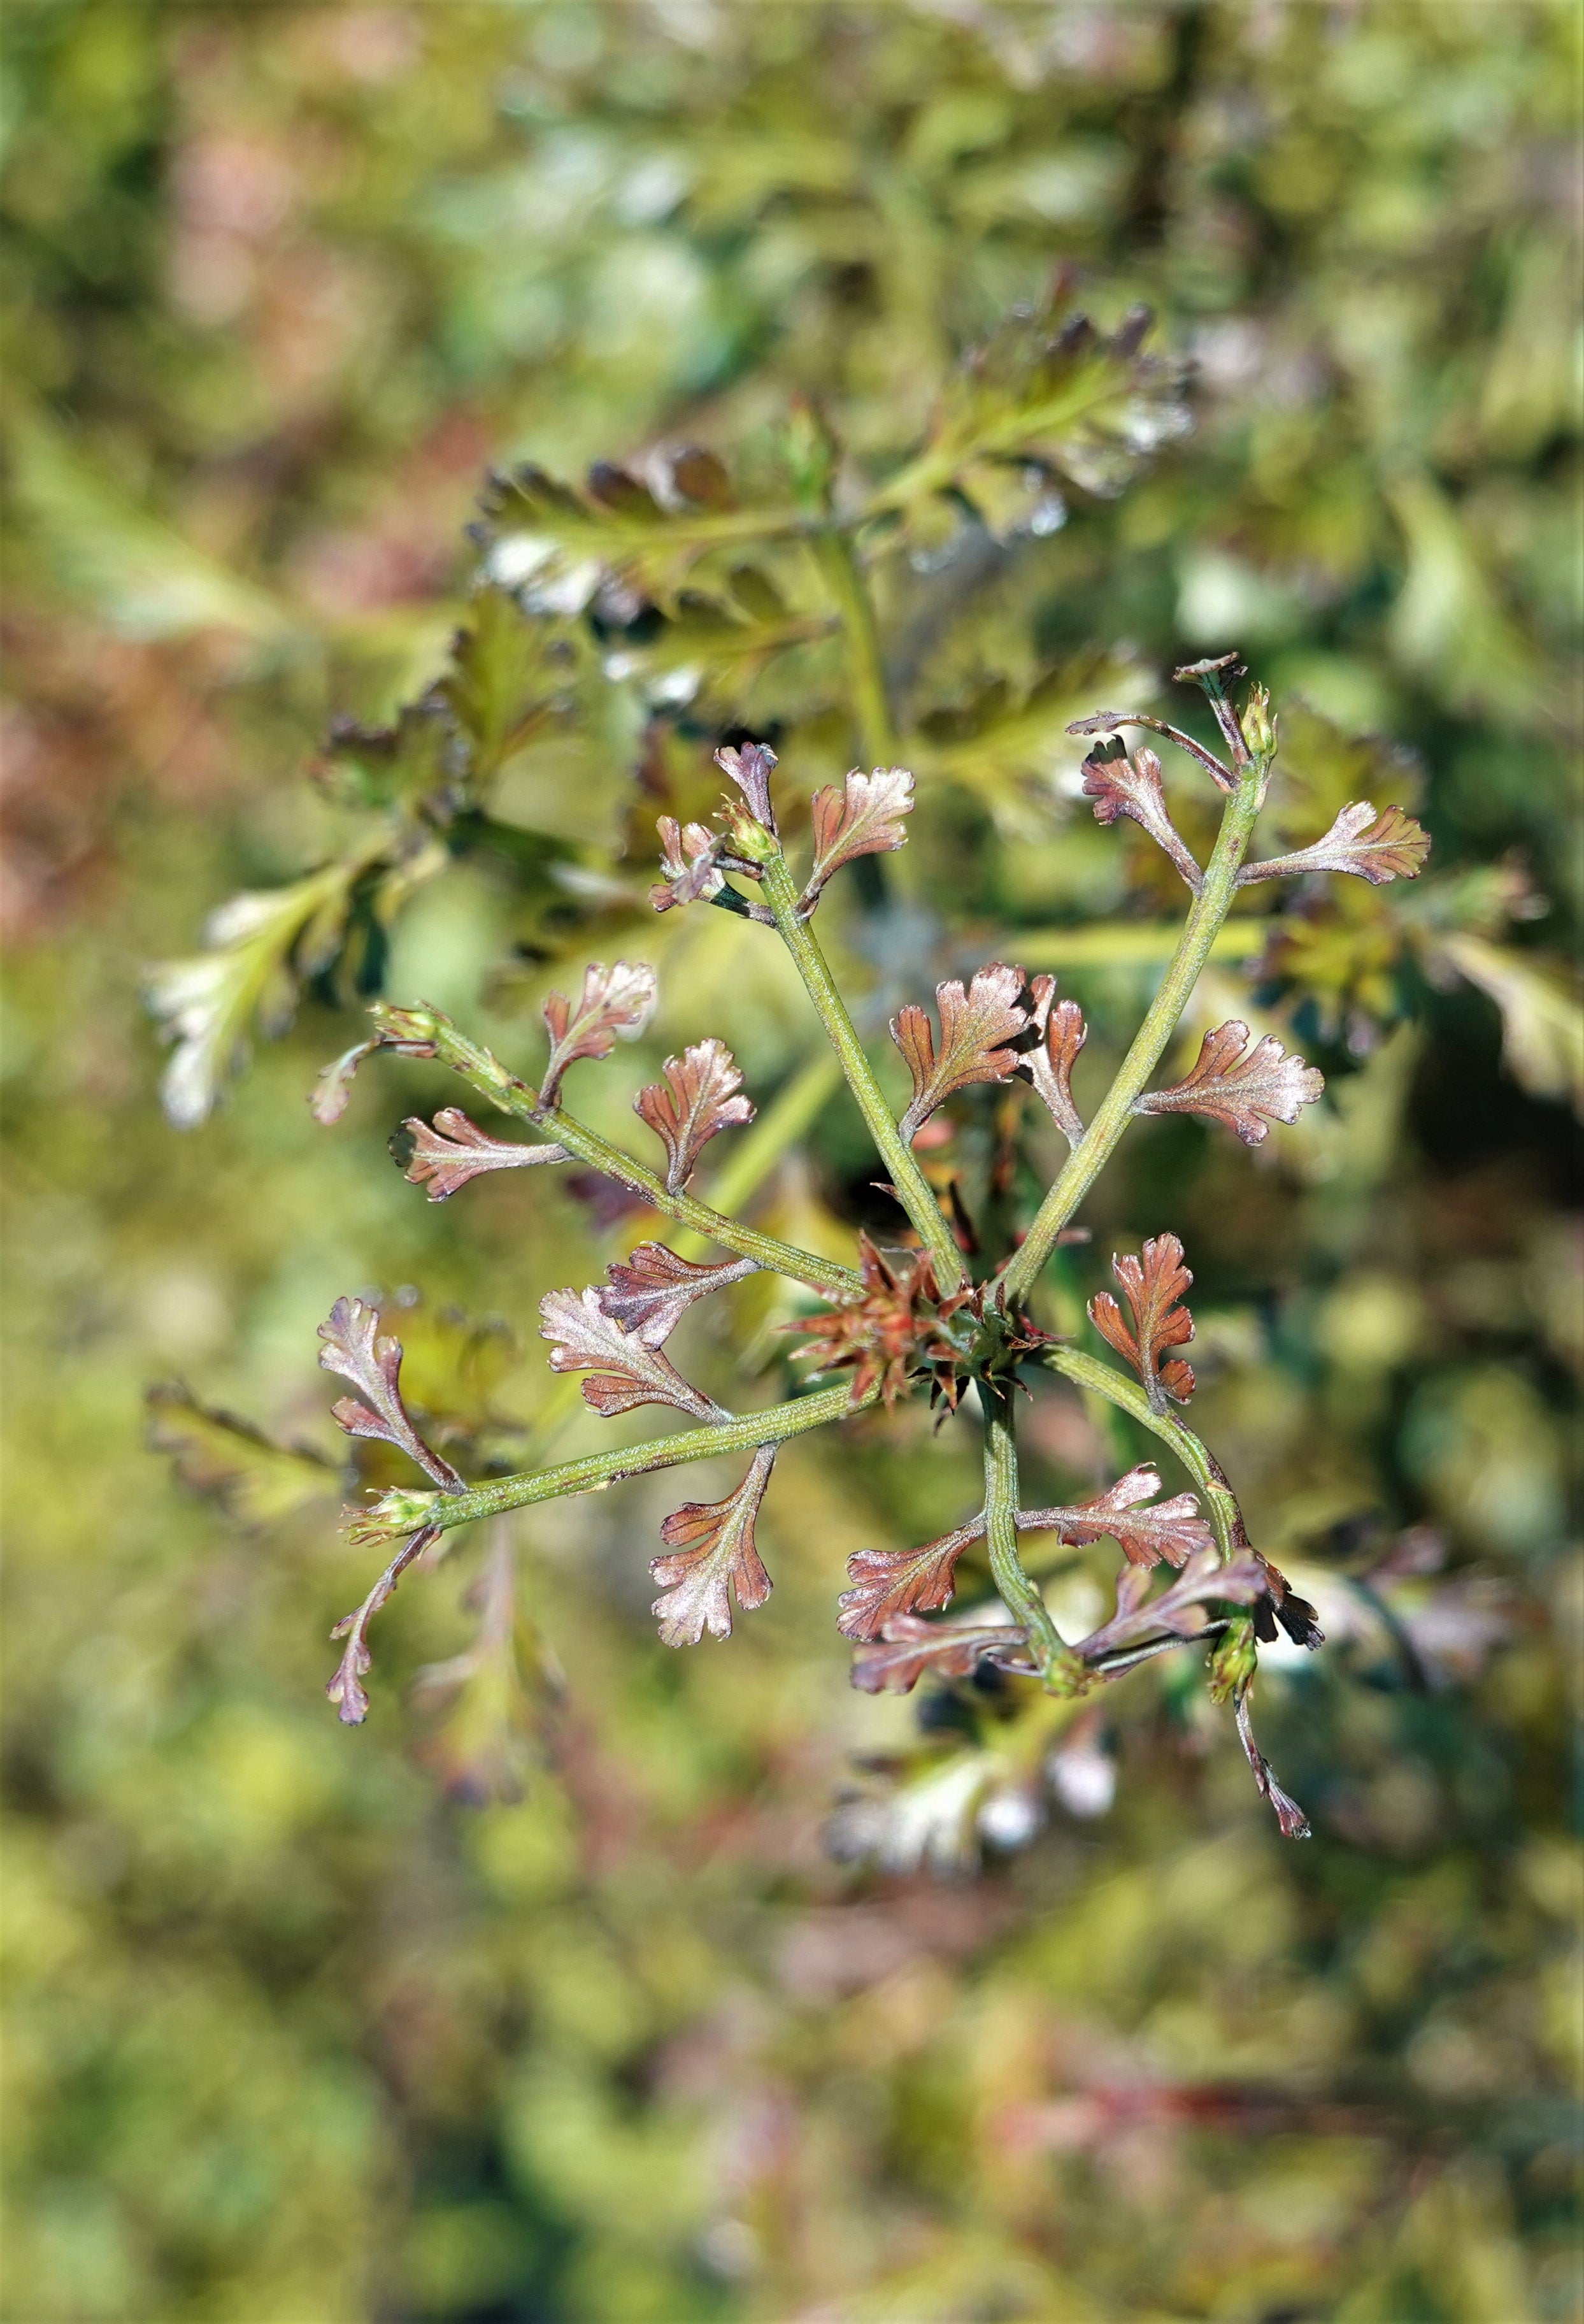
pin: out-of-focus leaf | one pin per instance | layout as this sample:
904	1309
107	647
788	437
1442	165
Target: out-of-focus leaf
482	1742
1543	1013
139	575
1048	390
256	1480
560	543
260	946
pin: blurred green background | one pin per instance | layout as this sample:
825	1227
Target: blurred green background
297	2033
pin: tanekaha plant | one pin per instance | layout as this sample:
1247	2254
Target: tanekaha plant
917	1318
670	606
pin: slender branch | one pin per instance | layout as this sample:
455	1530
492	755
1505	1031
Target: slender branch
871	708
1090	1156
912	1190
1206	1470
1058	1668
492	1080
596	1470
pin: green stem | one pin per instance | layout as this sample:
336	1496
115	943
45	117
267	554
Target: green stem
597	1470
872	707
1200	1463
912	1190
1094	1149
1058	1667
492	1080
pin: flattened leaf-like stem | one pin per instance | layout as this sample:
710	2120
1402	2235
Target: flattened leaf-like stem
912	1190
1094	1149
1059	1668
597	1470
1206	1470
486	1075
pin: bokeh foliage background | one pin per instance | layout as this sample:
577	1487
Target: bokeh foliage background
298	2036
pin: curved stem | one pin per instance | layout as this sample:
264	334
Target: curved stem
871	708
1058	1667
491	1079
1200	1463
1095	1150
746	1433
912	1190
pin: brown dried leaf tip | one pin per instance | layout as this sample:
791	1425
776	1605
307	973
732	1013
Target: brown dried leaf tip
695	1100
455	1150
712	1555
354	1350
1289	1815
1119	784
627	1371
1152	1283
1281	1604
1247	1093
977	1025
1376	843
908	1647
750	768
864	818
616	1004
651	1289
1049	1065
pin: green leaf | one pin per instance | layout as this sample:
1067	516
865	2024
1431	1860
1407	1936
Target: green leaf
1045	391
137	573
561	545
